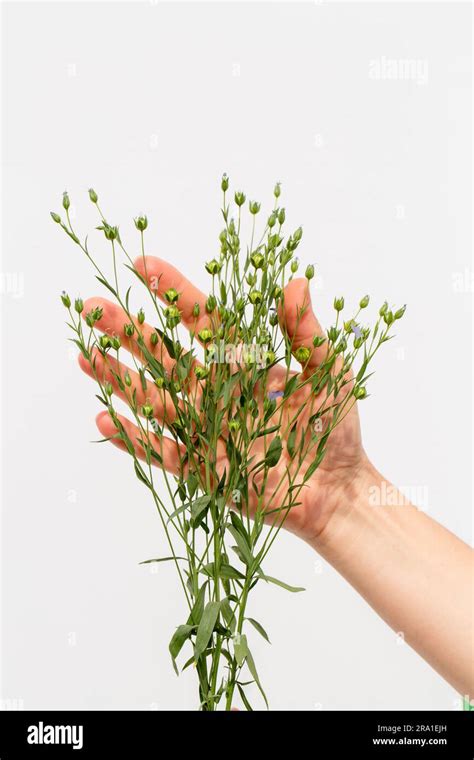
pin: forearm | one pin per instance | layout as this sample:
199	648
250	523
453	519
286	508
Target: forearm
414	573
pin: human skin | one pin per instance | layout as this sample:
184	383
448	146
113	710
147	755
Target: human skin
415	574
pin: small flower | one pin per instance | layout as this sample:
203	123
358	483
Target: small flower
339	303
65	299
356	330
273	395
364	302
171	295
201	372
205	335
55	217
239	198
66	201
225	183
309	274
93	195
141	317
255	297
254	207
302	354
360	392
213	267
141	223
258	260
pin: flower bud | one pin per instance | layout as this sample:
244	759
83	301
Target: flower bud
270	357
116	342
339	303
360	392
271	259
173	316
294	265
364	302
277	190
239	198
127	379
258	260
154	339
240	304
79	305
213	267
211	304
273	319
383	308
159	382
318	340
254	207
272	220
65	299
141	223
309	274
93	195
333	334
109	389
225	183
205	335
66	201
388	317
302	354
255	297
104	341
234	426
298	234
129	329
196	310
281	216
277	292
251	279
201	372
55	217
400	312
141	317
171	295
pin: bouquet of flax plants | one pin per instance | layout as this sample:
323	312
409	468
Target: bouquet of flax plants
237	434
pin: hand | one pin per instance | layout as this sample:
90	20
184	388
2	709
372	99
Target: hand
345	462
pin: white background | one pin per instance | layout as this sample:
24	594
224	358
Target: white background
150	103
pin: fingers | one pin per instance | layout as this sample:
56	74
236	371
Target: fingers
113	321
170	452
161	276
297	319
107	370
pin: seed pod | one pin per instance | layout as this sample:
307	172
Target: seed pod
364	302
277	292
388	317
298	234
205	335
309	274
318	340
55	217
127	379
129	329
225	182
213	267
109	389
141	223
159	382
255	297
211	304
400	312
66	201
141	317
93	195
196	310
173	316
277	190
294	265
360	392
302	354
258	260
79	305
147	410
254	207
273	319
234	426
116	342
383	308
270	357
201	372
339	303
104	341
65	299
272	220
171	295
154	339
239	198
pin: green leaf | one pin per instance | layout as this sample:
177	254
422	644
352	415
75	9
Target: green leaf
269	430
270	579
290	445
241	544
244	698
161	559
290	386
198	607
274	452
240	648
228	614
253	670
182	633
140	474
206	627
198	506
259	628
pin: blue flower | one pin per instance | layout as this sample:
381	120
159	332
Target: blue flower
275	394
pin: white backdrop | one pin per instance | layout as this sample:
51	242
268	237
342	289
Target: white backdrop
363	112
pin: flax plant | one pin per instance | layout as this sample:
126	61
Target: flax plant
247	432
